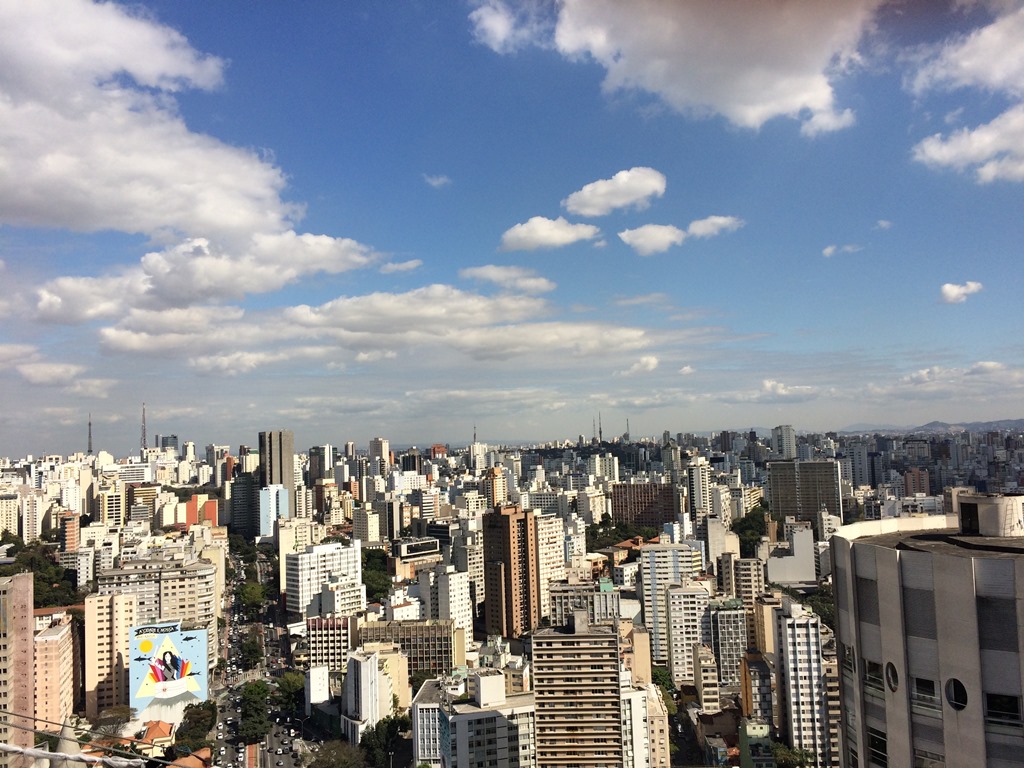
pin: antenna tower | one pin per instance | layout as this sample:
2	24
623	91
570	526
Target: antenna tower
90	434
142	441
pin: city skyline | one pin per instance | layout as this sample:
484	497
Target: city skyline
506	217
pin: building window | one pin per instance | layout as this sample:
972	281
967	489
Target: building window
872	675
924	759
923	693
877	748
1000	708
956	694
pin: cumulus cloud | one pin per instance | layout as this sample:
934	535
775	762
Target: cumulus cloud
198	271
953	293
539	232
506	27
98	389
987	58
49	374
686	370
645	364
510	278
883	224
831	250
632	188
437	181
772	391
713	225
402	266
749	62
652	238
12	353
995	151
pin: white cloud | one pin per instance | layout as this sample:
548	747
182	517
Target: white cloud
713	225
506	27
539	232
645	364
646	299
832	250
49	374
632	188
198	271
510	278
883	224
687	370
98	389
988	58
652	238
11	353
437	181
995	151
952	293
402	266
750	62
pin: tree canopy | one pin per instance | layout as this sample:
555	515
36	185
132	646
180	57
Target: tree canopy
337	754
382	740
375	574
254	723
52	585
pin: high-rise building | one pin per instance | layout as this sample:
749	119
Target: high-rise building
17	662
308	571
54	674
930	633
550	557
578	697
698	483
512	602
784	441
108	621
728	625
801	489
379	455
662	565
804	710
645	504
277	461
321	464
687	625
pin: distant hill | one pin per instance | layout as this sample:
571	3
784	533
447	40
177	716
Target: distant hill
940	427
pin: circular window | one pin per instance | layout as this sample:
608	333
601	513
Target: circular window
956	694
892	678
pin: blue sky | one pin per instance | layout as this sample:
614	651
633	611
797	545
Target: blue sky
352	219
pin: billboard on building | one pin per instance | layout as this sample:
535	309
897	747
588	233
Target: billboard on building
168	670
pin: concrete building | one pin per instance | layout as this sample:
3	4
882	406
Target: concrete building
662	565
172	587
306	572
108	621
600	600
804	711
578	696
801	489
930	636
784	441
550	540
645	504
433	646
705	679
55	665
444	592
277	461
728	629
687	624
17	662
512	602
377	679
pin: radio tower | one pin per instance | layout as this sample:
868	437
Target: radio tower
90	434
142	442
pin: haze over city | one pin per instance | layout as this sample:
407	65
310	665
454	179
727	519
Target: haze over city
353	219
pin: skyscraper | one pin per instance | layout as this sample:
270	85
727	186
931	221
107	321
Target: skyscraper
802	488
512	602
17	655
277	461
379	454
578	696
930	636
784	441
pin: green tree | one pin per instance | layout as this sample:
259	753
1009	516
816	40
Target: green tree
338	754
791	758
251	595
251	651
382	740
254	723
111	721
197	720
291	691
750	528
375	574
